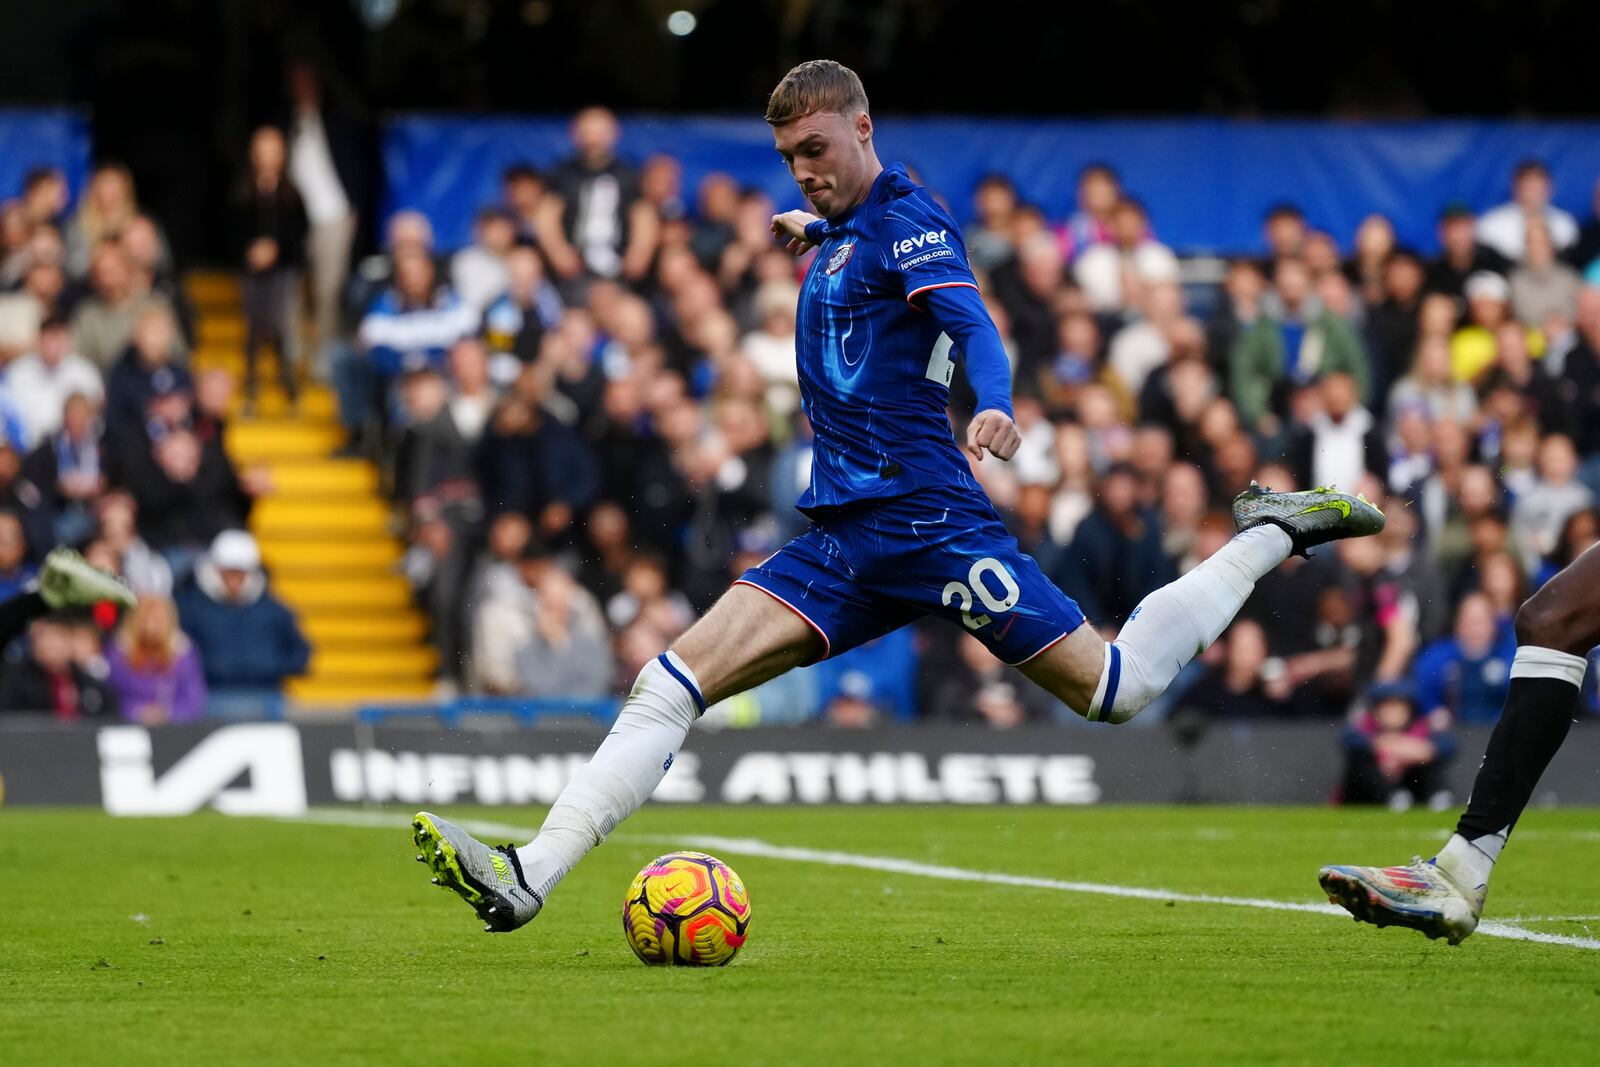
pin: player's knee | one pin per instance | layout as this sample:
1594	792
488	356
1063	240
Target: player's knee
1131	683
1549	619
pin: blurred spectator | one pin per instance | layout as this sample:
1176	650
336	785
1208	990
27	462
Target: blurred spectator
138	564
479	273
1394	753
1374	248
771	348
1115	272
1284	227
567	653
1583	252
48	375
1392	325
414	322
1142	346
1241	681
105	209
1461	254
1466	675
1293	342
1474	346
975	687
1236	310
1430	388
994	204
45	196
1543	289
514	631
528	461
249	643
67	469
1504	228
523	192
518	319
50	679
1579	384
270	225
1540	513
15	570
1341	442
1099	190
103	321
154	669
327	168
1115	557
151	365
593	220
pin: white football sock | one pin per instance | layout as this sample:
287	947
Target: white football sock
621	774
1469	863
1177	622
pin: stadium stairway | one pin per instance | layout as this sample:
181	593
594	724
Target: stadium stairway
324	526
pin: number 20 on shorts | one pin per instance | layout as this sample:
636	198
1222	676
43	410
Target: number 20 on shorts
960	594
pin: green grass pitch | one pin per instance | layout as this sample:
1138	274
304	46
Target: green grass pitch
218	940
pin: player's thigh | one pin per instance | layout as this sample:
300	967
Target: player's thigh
745	639
1070	669
1565	613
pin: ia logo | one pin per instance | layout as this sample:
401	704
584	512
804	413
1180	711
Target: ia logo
268	754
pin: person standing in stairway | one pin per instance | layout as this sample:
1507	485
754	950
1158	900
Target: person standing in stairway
271	225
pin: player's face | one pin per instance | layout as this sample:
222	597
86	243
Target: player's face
830	156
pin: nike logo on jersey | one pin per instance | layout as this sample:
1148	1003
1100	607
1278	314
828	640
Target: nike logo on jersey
911	244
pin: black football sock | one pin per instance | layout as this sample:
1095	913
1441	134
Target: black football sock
1539	708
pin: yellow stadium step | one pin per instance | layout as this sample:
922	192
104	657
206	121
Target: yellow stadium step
391	664
359	555
388	592
325	477
316	405
333	629
217	330
338	692
262	440
209	291
355	518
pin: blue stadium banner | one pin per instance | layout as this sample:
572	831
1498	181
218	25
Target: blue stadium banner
1207	182
52	137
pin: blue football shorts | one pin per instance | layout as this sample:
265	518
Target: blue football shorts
858	574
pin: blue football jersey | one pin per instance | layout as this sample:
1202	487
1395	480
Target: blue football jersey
874	369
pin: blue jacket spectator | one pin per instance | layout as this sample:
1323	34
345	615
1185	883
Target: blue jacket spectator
148	367
247	639
414	322
1115	557
532	463
1468	674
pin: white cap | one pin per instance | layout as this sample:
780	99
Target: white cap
235	550
1488	285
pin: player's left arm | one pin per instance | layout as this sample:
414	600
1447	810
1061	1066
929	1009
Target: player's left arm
921	246
959	311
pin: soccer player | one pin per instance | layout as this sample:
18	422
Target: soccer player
900	528
1443	896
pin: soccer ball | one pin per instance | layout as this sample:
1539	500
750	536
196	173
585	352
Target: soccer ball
687	909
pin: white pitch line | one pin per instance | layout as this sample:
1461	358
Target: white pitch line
745	846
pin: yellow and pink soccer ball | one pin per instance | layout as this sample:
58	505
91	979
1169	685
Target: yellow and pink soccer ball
686	909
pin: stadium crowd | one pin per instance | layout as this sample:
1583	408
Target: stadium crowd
589	423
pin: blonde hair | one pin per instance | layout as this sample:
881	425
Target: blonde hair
816	85
149	637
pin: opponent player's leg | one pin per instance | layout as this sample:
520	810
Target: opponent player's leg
1113	682
1443	897
746	638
